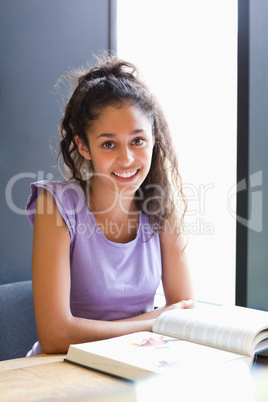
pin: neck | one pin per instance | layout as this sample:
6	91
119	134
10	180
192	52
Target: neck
116	216
110	203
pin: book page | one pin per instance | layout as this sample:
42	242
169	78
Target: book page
136	355
228	328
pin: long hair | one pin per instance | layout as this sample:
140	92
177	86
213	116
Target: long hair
115	82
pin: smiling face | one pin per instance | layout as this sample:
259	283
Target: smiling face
120	148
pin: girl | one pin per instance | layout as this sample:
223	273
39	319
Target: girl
104	238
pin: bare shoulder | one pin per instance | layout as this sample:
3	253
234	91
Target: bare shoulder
173	237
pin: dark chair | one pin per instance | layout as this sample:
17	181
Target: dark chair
17	322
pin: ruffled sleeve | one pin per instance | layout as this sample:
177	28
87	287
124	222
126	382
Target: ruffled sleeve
69	198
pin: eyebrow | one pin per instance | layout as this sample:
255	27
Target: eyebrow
111	135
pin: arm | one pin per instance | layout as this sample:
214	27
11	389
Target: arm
176	277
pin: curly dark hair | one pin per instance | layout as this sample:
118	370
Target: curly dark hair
114	82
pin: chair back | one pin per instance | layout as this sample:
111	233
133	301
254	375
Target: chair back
17	321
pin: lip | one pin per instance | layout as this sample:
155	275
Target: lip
126	175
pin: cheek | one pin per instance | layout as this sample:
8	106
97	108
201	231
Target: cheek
100	162
147	158
150	153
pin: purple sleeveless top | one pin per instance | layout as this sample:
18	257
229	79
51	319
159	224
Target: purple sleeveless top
109	280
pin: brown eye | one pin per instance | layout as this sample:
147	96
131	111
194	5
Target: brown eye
138	141
108	145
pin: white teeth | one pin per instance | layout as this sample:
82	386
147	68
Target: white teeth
125	175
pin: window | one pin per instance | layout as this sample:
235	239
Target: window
187	53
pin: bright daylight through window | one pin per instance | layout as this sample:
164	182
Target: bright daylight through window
187	53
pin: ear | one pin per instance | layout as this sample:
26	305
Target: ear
82	148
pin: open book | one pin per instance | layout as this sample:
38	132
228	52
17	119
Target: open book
211	335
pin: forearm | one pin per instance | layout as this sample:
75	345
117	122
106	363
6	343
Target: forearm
79	330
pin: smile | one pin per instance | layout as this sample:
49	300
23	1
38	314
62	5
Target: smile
126	175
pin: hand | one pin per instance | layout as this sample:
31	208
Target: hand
183	304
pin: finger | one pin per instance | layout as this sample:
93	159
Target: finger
186	303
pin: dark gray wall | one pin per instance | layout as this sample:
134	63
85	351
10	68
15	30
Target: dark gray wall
40	40
257	281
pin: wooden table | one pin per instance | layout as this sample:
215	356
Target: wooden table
49	378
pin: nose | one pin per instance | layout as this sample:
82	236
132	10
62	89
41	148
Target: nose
126	156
